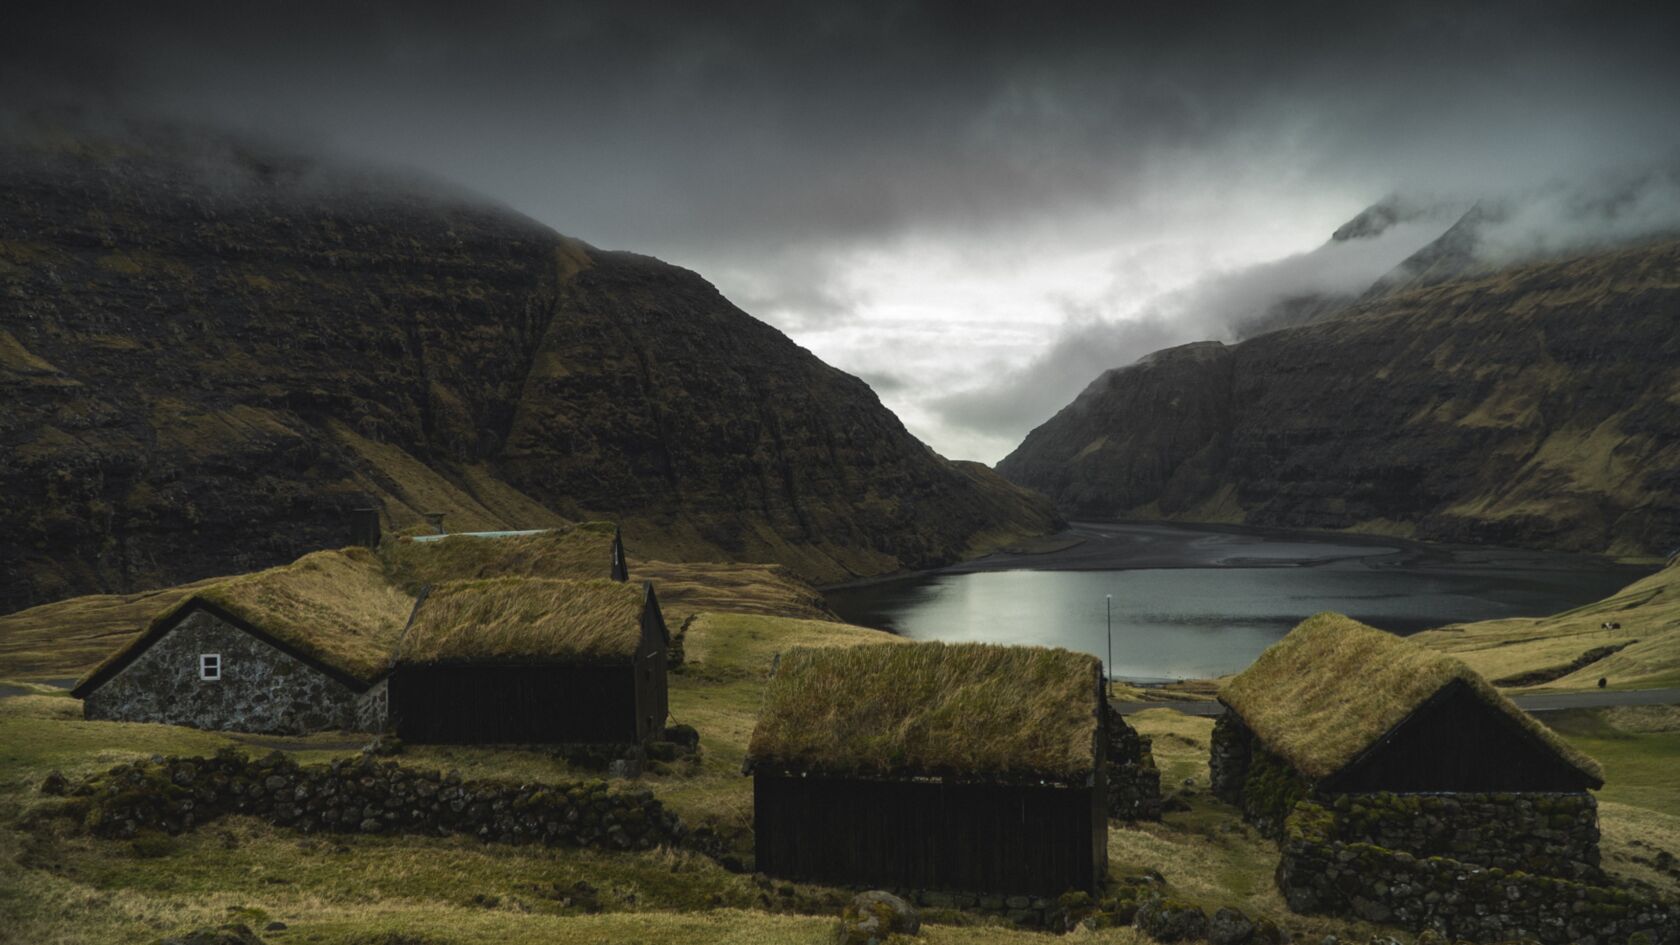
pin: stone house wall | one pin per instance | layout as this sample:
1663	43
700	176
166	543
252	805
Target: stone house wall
1134	783
1319	873
373	708
1550	834
1247	776
261	689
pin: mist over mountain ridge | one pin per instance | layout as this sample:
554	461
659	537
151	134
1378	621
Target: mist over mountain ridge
209	352
1465	397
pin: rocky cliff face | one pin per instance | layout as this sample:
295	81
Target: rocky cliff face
208	354
1537	405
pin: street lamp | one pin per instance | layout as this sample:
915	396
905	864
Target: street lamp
1109	675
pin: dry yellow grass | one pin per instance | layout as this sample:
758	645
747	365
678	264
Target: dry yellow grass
931	709
500	619
1648	611
693	587
336	606
1333	685
69	637
572	551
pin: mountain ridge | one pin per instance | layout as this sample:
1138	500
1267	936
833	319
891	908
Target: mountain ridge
210	359
1537	404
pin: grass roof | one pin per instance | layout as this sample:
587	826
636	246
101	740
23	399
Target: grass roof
966	710
1325	692
573	551
333	606
526	620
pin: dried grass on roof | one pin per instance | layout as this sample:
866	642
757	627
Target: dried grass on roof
969	710
1322	694
526	620
335	606
575	551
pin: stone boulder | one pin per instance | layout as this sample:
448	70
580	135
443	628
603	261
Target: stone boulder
225	935
1230	927
872	917
1168	920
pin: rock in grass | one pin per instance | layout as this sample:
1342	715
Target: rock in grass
873	916
1168	920
1230	927
226	935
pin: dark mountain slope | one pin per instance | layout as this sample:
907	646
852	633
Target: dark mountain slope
208	353
1537	405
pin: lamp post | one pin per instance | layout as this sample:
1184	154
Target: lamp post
1108	600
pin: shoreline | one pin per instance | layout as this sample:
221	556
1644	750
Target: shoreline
1092	546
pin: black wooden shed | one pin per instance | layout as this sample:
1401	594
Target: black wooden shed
932	766
518	660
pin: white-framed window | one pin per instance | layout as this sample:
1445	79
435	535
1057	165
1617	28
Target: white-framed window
210	666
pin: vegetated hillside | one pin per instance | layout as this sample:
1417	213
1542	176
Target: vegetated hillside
209	351
1640	647
1538	405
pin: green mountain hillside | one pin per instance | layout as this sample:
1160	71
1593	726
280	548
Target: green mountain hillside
210	350
1536	405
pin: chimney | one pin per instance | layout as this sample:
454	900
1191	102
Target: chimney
364	527
620	567
435	519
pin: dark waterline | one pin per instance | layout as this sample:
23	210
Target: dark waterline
1196	602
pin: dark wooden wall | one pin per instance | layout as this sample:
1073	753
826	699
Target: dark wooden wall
477	704
652	699
1013	840
1457	742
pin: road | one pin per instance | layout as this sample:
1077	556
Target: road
1533	702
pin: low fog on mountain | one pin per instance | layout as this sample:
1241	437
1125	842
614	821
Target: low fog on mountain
976	208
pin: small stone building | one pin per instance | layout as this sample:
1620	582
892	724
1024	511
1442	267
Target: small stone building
1337	707
297	648
1386	770
932	766
525	660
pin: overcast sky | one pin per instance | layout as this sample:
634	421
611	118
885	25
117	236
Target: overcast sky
975	207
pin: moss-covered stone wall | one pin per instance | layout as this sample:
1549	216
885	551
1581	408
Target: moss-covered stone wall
1134	783
1320	873
1244	774
1550	834
365	796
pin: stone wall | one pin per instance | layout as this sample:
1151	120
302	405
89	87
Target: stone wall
373	708
365	796
1550	834
1230	752
1134	783
261	689
1319	873
1244	774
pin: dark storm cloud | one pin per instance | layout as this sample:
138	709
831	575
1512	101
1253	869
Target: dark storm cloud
632	123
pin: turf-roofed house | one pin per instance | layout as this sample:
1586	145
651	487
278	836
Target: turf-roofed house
297	648
933	766
532	660
1369	755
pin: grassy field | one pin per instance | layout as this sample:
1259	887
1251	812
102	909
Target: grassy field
58	885
1647	644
